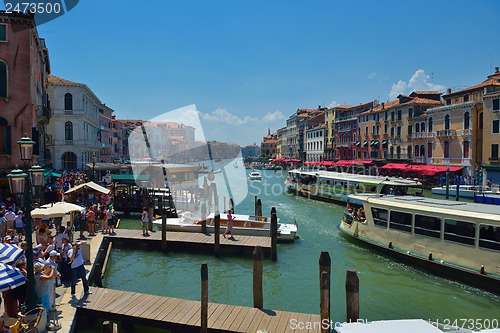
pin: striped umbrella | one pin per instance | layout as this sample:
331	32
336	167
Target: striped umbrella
10	253
10	277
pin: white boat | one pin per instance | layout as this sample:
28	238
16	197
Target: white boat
254	175
242	225
464	191
337	186
419	326
458	240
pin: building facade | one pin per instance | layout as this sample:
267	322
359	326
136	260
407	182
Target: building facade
24	102
269	145
74	128
330	115
346	130
105	135
315	143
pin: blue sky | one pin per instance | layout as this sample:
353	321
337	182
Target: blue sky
248	65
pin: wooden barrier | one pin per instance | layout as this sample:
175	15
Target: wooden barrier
274	235
352	296
204	298
325	264
258	299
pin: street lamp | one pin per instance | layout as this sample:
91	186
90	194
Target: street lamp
93	167
21	183
83	168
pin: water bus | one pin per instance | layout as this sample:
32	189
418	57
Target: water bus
458	240
242	225
337	186
464	191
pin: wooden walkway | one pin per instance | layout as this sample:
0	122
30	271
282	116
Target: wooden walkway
181	315
193	239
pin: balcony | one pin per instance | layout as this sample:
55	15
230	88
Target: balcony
345	144
375	136
450	161
420	159
42	113
446	133
422	135
465	132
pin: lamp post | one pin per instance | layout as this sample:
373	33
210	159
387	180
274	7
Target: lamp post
83	168
21	183
93	167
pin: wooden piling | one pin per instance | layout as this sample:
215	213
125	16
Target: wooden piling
204	218
150	215
274	235
325	264
163	225
217	234
231	205
259	209
108	327
258	299
98	274
352	296
204	298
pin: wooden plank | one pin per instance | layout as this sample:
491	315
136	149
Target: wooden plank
273	322
95	297
158	308
284	323
188	305
192	315
171	307
243	320
231	317
121	305
255	324
219	312
138	306
112	296
211	309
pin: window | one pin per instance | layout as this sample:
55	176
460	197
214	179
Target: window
409	151
410	113
68	101
400	221
399	131
4	136
417	151
386	114
495	126
466	149
417	128
429	150
448	101
489	237
422	127
68	131
496	104
422	150
446	149
480	120
392	116
466	98
386	127
466	120
3	78
400	115
3	32
410	128
430	125
494	151
428	226
366	131
447	122
379	217
459	231
392	131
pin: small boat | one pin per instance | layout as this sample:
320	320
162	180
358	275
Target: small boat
455	239
492	198
254	175
242	225
464	191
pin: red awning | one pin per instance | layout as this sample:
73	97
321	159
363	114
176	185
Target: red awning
424	170
327	163
394	166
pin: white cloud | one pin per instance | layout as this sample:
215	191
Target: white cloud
333	104
418	82
273	116
223	116
372	75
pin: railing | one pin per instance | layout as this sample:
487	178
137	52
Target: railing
421	135
68	142
448	161
345	144
464	132
419	159
375	136
446	133
344	129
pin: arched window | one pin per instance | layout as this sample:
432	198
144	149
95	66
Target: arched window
68	130
3	79
391	151
68	101
409	151
422	150
417	129
466	120
430	129
447	122
481	121
429	149
417	151
398	152
4	136
446	149
422	127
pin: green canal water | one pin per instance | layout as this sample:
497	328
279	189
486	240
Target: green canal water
388	289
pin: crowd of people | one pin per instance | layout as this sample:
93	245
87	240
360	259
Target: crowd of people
57	255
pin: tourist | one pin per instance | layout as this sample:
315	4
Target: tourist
59	237
9	217
43	279
111	220
19	224
361	214
65	268
229	227
90	220
77	269
103	219
145	220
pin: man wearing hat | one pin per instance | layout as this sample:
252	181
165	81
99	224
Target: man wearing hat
77	268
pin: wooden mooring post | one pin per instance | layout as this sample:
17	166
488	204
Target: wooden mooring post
274	234
163	225
204	298
204	218
217	234
258	299
325	264
108	327
352	296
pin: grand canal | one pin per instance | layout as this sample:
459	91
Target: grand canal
388	289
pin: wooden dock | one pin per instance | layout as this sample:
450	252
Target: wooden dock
181	315
192	239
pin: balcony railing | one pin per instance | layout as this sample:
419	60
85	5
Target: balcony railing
422	135
446	133
345	144
420	159
453	160
465	132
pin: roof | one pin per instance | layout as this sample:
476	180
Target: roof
89	185
485	83
59	80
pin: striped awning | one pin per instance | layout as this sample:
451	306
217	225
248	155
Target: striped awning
10	253
10	277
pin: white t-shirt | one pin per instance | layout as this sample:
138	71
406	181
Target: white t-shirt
78	259
58	239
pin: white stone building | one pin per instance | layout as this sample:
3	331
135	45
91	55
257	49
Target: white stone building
314	146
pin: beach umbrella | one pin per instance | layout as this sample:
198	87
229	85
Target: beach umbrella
10	253
10	277
58	209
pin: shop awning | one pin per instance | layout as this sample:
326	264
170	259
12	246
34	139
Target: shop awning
365	143
89	186
384	142
358	143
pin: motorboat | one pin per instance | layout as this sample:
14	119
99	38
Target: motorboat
455	239
242	225
254	175
336	187
464	191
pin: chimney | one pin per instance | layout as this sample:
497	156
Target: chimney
268	131
496	69
448	91
383	105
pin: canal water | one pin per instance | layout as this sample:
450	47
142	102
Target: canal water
388	289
